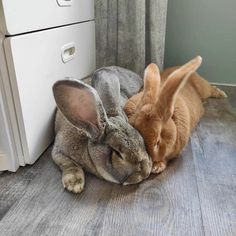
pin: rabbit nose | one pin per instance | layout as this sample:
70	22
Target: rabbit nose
133	179
143	171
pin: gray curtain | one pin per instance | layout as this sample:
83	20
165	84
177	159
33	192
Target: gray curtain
130	33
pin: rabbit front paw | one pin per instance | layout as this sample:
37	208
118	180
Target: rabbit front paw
158	167
73	180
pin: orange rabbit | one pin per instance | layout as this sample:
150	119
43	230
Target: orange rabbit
168	108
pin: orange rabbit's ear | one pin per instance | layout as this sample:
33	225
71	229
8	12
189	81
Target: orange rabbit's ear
152	82
170	89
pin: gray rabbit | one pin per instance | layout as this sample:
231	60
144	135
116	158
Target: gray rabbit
93	133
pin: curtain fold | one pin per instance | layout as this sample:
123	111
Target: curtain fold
130	33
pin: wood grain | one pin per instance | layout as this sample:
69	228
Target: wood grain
160	204
13	185
214	148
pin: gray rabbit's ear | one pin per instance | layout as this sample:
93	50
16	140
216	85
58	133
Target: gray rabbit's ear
108	87
81	105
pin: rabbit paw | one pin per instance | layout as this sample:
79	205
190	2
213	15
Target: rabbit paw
158	167
73	180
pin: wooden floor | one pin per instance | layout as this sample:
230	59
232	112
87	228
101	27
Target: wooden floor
196	195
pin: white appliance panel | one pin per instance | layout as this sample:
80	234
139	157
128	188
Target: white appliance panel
35	62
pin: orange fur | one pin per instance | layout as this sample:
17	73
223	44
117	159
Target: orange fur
168	108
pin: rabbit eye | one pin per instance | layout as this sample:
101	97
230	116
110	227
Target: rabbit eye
158	143
103	124
118	154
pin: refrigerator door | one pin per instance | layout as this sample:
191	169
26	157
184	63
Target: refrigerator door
35	62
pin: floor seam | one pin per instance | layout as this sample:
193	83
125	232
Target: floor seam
197	185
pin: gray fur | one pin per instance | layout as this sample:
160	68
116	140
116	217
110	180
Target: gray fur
130	82
104	145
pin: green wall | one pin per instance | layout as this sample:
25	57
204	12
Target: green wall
206	28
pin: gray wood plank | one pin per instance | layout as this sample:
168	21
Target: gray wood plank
214	152
13	185
231	92
163	205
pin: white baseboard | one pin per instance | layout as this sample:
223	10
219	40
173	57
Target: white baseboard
223	84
